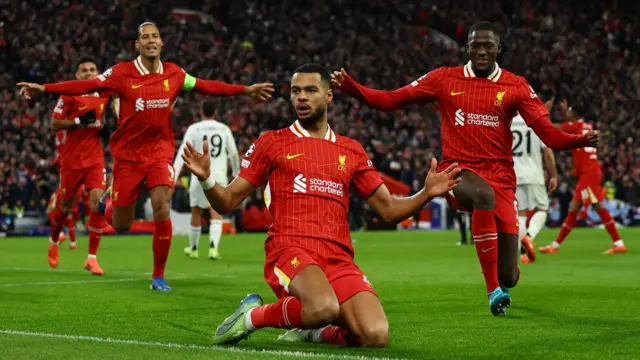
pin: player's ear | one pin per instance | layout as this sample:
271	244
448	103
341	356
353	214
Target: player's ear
499	48
137	45
329	95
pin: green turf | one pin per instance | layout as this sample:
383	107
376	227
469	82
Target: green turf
577	304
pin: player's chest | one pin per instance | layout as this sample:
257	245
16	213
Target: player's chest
479	98
319	162
149	92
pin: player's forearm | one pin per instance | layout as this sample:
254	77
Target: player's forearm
402	208
59	124
218	88
379	99
550	161
222	200
557	139
73	87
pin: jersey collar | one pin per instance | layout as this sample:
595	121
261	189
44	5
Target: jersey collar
143	70
300	132
495	75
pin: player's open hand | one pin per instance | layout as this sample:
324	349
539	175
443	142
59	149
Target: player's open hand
198	164
438	183
338	77
594	138
28	89
261	91
553	185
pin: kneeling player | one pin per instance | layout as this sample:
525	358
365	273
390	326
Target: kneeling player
223	149
309	256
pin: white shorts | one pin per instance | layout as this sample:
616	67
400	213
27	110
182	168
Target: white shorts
196	194
532	196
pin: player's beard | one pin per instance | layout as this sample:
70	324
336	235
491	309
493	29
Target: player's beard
314	116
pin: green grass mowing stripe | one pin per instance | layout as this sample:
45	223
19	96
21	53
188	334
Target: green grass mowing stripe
297	354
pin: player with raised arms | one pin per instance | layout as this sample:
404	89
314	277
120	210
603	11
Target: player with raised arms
143	146
477	102
222	150
309	265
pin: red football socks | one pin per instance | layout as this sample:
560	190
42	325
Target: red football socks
283	314
59	219
485	237
161	245
567	226
338	336
609	224
71	225
95	225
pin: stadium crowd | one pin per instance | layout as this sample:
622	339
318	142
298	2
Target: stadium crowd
584	53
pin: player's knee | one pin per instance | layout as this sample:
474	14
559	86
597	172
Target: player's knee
162	212
484	198
324	310
376	335
121	226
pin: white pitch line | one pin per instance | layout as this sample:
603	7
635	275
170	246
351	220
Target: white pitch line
121	272
73	282
297	354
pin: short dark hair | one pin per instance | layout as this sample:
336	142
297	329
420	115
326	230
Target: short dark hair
143	25
84	59
485	25
312	68
209	107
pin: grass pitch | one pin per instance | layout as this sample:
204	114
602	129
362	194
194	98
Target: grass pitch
577	304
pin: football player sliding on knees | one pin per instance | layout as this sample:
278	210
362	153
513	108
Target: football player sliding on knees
308	169
477	102
143	146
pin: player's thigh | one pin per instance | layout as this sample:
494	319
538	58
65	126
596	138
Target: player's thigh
473	192
293	271
364	316
506	212
197	198
94	198
128	177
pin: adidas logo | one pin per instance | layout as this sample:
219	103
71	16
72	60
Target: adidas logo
459	117
300	184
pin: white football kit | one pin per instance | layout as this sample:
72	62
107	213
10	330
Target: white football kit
531	191
222	149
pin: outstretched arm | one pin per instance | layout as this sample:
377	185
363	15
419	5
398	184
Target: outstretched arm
73	87
560	140
395	209
223	199
381	99
550	161
261	91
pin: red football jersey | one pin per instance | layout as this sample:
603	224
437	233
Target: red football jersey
145	102
585	159
82	146
476	117
307	189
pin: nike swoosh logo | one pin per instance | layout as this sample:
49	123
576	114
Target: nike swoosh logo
82	108
289	157
456	93
489	249
136	86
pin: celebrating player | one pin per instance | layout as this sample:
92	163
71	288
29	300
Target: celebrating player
143	146
309	256
530	191
82	163
222	150
589	188
477	102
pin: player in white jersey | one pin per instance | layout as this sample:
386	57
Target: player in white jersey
222	149
531	192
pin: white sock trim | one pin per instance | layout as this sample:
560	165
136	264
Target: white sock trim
247	321
618	243
91	256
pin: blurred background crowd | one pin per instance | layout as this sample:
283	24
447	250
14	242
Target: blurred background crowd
585	52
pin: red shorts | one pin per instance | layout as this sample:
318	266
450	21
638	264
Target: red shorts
128	177
71	180
589	188
343	274
506	212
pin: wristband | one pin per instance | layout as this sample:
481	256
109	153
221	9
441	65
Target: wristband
208	183
77	121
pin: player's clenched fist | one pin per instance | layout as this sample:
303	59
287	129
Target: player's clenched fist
28	89
198	164
338	77
594	138
438	183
